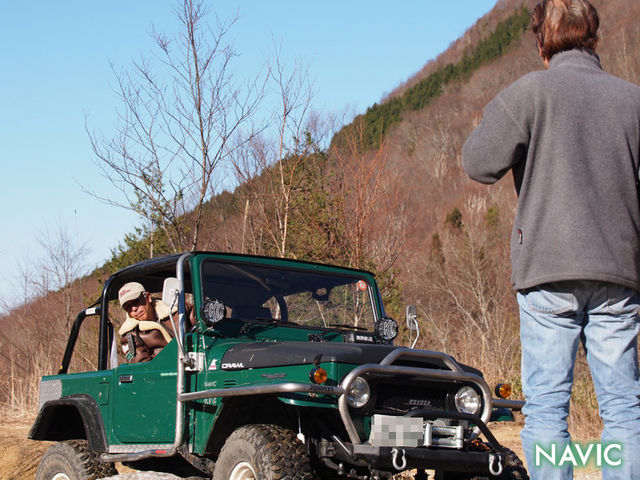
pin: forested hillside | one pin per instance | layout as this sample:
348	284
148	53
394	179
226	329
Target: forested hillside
388	194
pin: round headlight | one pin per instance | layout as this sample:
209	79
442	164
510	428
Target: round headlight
467	400
358	393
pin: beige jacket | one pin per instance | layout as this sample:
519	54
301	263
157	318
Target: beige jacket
142	340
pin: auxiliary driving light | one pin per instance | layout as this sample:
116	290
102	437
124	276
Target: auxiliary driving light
386	329
467	400
213	310
318	375
358	393
503	390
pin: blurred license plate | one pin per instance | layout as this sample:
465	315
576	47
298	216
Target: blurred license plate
390	431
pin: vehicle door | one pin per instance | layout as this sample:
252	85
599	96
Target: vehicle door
144	406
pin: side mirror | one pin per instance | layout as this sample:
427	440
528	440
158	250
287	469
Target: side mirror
411	318
170	291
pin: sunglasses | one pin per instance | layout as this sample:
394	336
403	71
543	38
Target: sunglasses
141	300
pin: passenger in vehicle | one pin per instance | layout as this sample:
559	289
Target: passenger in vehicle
147	327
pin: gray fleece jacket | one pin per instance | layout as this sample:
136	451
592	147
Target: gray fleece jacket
571	137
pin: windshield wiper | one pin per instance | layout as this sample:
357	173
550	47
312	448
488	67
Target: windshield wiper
262	322
352	327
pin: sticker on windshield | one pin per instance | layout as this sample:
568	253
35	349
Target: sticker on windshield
362	285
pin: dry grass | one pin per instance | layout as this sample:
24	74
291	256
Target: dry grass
20	400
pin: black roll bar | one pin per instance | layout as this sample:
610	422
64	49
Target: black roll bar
73	336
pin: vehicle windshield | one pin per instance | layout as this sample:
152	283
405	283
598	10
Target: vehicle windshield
311	299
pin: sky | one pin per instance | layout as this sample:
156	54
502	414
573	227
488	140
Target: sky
56	81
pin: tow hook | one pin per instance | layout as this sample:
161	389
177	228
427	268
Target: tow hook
403	465
494	460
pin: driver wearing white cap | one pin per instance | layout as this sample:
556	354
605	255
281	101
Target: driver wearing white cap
147	326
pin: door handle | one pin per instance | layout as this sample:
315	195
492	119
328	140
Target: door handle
126	378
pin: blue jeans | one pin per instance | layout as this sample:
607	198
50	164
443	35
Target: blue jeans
554	318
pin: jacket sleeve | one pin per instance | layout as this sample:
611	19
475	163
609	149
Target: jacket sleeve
501	140
134	348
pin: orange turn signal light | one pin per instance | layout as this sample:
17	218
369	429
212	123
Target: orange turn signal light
318	375
503	390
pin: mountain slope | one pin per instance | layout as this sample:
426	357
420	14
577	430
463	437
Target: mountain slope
436	239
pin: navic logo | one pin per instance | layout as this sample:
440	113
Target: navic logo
579	454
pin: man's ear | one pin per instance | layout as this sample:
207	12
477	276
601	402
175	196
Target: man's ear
545	60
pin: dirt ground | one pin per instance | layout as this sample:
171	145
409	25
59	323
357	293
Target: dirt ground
19	457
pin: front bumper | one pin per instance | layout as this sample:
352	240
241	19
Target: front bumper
402	458
478	457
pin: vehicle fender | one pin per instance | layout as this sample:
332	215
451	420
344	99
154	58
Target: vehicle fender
71	417
235	412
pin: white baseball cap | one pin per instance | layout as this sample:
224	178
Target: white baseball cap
130	291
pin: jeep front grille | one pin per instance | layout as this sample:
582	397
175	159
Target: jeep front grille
404	398
452	374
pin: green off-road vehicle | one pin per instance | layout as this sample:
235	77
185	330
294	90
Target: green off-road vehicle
283	370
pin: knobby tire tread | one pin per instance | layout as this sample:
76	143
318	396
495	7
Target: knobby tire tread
281	455
83	462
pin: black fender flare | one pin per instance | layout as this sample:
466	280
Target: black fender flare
71	417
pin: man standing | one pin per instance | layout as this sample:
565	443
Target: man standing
571	136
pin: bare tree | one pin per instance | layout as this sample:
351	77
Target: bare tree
270	164
47	294
625	54
464	293
21	320
178	122
433	144
64	261
368	195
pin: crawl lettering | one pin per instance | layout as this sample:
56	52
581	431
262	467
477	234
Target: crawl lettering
232	366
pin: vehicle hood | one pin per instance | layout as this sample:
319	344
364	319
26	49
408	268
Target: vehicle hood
276	354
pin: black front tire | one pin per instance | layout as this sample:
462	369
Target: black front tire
74	460
263	452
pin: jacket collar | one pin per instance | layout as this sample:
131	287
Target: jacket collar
575	57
